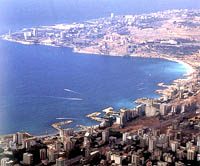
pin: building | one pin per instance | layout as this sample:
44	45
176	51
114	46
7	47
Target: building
27	143
68	146
18	138
135	160
179	164
35	32
190	154
3	161
119	121
52	155
58	146
125	136
198	157
6	162
9	33
60	162
164	109
43	154
28	158
105	136
174	145
68	131
152	109
152	144
161	163
117	159
62	35
9	163
27	35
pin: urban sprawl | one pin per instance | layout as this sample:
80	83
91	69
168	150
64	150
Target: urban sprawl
163	131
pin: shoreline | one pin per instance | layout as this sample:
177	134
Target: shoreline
190	69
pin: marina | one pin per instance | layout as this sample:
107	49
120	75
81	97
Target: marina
58	125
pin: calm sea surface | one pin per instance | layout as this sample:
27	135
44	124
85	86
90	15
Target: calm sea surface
33	78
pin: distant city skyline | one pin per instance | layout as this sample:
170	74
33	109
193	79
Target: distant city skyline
17	14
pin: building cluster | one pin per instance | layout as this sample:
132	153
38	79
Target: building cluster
173	142
174	145
119	35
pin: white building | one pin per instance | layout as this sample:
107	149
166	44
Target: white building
28	158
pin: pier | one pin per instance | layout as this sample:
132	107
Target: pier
58	125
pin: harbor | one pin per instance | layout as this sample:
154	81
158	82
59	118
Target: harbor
58	125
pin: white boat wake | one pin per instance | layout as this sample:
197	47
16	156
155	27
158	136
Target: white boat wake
64	98
69	90
65	118
55	97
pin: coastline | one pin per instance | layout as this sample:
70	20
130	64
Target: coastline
189	68
186	63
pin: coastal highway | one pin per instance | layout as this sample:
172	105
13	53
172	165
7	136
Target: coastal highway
45	136
170	121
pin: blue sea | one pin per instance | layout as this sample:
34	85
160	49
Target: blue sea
33	77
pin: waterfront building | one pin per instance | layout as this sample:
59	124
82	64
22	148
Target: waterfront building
119	121
62	35
27	35
68	131
28	158
18	138
164	109
151	109
35	32
10	33
112	15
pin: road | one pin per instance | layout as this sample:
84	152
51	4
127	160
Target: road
170	121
